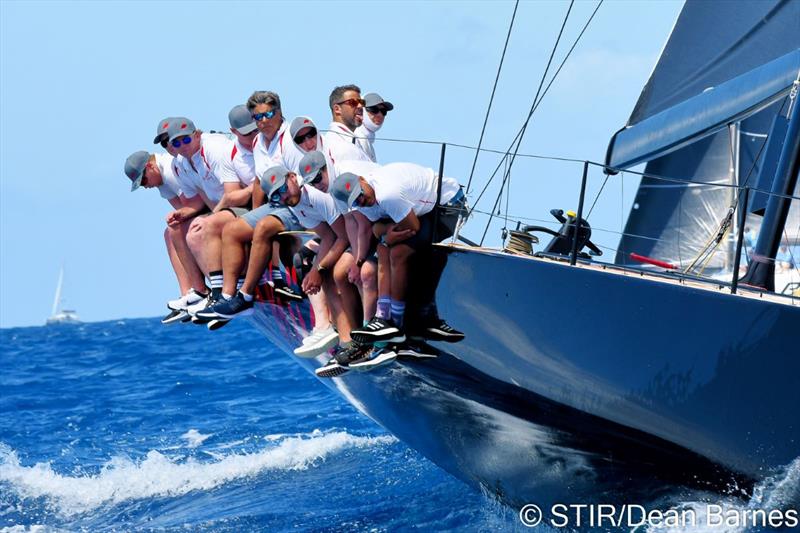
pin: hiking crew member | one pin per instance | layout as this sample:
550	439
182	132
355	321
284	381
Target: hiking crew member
377	109
205	234
260	226
347	113
157	170
399	199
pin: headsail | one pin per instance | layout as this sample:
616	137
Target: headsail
724	63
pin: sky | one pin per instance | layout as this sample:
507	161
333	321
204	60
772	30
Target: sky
83	85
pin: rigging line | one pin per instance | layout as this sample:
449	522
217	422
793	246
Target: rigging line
491	98
563	62
597	197
521	134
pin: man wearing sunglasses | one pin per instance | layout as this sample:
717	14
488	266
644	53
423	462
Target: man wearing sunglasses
156	170
347	113
377	109
265	108
399	199
259	228
207	176
205	234
317	211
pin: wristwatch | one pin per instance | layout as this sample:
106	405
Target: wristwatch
321	269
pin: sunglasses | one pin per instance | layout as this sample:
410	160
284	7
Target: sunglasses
317	177
264	115
186	139
359	199
354	102
143	181
310	134
275	198
378	109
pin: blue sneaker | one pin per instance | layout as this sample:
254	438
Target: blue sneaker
236	306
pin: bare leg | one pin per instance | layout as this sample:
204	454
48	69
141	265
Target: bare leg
370	288
348	295
235	236
399	256
260	251
177	235
205	240
177	266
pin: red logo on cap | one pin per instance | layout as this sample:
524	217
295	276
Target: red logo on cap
183	126
306	121
272	179
165	126
347	186
308	168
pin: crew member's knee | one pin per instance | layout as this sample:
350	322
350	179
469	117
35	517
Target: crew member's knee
400	253
237	231
369	275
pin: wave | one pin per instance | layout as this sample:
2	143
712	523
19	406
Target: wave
780	491
122	479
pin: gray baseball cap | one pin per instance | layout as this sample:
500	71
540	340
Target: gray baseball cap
311	164
161	130
298	124
346	188
178	127
241	120
373	99
273	179
134	167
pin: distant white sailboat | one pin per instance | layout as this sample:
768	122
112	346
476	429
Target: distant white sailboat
61	316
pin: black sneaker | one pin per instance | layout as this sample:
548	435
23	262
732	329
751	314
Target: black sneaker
236	306
378	329
175	316
282	289
439	330
372	359
331	369
416	351
352	352
217	323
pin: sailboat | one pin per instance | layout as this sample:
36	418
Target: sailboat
584	381
58	315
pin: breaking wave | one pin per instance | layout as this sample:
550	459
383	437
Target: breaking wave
122	479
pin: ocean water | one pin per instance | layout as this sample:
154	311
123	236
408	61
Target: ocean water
133	426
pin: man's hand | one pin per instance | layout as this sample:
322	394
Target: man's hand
179	216
354	274
394	235
312	282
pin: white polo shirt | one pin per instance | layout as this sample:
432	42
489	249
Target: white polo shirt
170	188
243	163
342	144
264	154
210	167
315	207
403	187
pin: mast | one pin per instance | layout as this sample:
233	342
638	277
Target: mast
57	300
761	270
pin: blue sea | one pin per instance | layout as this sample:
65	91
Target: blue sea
133	426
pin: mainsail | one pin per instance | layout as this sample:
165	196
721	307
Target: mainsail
705	115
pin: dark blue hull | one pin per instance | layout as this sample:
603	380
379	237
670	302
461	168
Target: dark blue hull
583	383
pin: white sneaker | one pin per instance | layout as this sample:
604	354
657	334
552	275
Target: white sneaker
319	341
199	305
191	297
